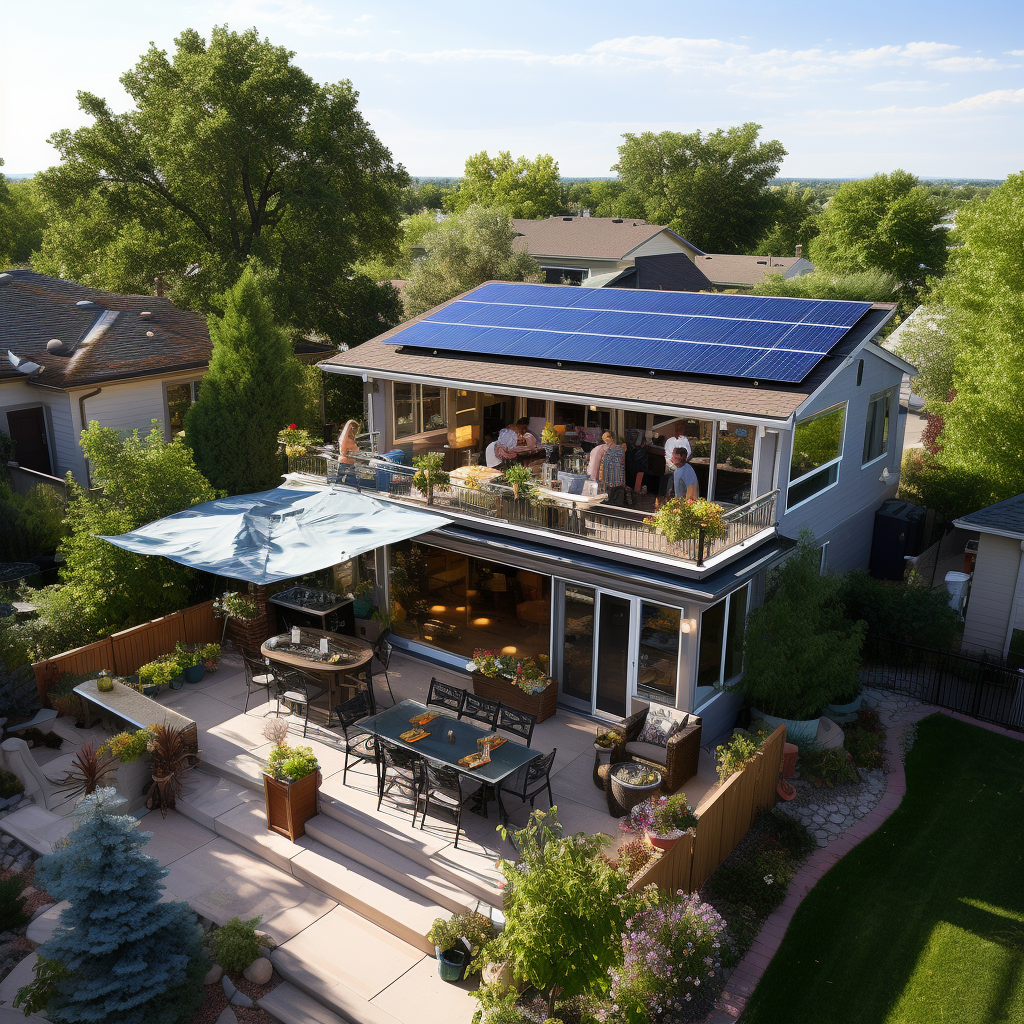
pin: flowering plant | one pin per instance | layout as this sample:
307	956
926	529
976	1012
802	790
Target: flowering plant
669	953
662	816
523	672
607	738
549	435
293	441
682	519
234	606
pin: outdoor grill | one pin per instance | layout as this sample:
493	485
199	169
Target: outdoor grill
314	609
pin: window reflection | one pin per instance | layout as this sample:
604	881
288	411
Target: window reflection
659	653
720	655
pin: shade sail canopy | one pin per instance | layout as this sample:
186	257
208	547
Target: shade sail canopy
276	535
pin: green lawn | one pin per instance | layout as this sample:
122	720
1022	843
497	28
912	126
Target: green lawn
924	920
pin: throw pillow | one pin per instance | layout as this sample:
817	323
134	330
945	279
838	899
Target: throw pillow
660	726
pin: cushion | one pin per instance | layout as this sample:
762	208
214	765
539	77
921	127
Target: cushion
661	723
648	751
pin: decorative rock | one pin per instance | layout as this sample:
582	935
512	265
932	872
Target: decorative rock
227	1016
213	975
40	910
241	999
260	971
229	988
836	819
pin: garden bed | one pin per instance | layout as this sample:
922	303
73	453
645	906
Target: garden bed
542	705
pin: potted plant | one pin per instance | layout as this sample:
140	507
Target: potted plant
291	784
605	742
518	683
190	662
174	755
518	478
844	706
683	519
552	442
662	820
429	474
458	941
363	599
737	753
293	441
210	654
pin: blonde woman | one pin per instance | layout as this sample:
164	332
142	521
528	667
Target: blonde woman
346	446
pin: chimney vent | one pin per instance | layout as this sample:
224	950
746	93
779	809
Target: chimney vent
799	251
158	286
145	315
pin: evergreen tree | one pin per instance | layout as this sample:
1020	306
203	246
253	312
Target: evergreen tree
123	955
250	393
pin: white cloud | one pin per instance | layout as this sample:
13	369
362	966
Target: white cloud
662	46
903	85
300	17
1015	53
969	64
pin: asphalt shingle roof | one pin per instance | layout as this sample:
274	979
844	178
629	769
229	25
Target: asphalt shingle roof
727	269
599	238
1004	517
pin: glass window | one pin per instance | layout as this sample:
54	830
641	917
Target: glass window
180	398
817	449
578	649
876	430
659	653
418	409
734	463
459	603
720	656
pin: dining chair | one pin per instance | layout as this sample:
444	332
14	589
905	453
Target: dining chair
359	746
445	696
401	767
442	786
295	687
519	723
382	652
258	676
480	709
528	783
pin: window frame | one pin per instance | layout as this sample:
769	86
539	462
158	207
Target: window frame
826	467
193	386
886	393
723	683
417	410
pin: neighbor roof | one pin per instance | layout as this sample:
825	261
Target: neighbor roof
383	356
743	271
1005	518
598	238
104	336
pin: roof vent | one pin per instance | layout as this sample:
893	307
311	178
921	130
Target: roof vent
616	220
570	219
85	303
145	315
149	334
5	279
54	345
762	263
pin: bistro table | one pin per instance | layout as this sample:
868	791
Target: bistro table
505	760
352	656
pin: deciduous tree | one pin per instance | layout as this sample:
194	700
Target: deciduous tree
711	188
251	392
860	286
796	221
21	220
521	187
231	152
461	253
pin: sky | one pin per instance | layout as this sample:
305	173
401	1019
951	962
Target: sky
936	87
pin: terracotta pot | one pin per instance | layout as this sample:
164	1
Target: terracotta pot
664	842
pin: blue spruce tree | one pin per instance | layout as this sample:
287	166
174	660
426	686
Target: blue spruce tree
128	958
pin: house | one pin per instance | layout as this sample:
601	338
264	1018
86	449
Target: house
791	410
994	620
121	360
741	273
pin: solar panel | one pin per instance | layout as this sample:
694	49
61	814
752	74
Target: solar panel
751	336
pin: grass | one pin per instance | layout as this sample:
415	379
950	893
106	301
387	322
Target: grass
923	922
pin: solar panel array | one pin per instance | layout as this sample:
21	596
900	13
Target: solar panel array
758	337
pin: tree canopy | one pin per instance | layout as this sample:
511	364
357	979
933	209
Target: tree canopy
521	187
231	152
888	223
463	252
21	220
251	392
862	286
796	221
710	188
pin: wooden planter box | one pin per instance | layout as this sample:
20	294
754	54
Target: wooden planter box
291	804
542	705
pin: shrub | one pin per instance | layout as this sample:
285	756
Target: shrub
864	740
292	763
789	833
12	903
635	857
127	746
10	785
668	952
89	770
735	754
832	766
236	944
758	882
682	519
29	523
469	925
19	695
173	757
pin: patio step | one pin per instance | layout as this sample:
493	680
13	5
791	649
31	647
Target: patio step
421	878
288	1004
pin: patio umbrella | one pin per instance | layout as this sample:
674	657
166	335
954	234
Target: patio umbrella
278	534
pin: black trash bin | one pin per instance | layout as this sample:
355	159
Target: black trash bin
899	531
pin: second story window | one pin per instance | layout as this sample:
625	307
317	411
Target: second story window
817	451
876	430
180	398
419	408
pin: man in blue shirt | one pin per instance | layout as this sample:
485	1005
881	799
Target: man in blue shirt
684	479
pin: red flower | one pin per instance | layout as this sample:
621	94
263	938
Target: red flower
291	426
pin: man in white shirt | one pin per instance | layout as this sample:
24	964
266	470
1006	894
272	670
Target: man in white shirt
679	441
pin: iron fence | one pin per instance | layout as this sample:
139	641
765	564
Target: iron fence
983	689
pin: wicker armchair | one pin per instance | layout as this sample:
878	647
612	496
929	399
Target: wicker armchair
677	762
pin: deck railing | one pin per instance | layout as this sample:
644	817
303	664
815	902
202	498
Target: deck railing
615	527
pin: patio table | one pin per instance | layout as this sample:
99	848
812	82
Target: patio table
354	656
505	760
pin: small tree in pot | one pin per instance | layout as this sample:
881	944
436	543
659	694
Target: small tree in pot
429	474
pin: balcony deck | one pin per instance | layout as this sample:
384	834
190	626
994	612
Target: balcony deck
615	532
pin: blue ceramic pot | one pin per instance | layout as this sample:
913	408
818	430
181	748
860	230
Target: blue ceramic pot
194	673
450	963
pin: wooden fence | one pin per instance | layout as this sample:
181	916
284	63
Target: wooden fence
723	822
124	652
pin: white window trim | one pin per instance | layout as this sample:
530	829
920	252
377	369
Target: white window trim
722	682
845	406
888	442
835	483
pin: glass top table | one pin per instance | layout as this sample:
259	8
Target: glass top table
505	760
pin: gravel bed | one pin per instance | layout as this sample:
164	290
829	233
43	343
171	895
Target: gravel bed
216	1000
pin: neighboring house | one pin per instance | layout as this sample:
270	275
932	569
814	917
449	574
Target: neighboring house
995	611
121	360
741	273
792	414
602	252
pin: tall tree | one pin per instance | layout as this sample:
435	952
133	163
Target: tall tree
231	152
601	198
461	253
521	187
796	222
712	189
251	392
21	220
888	223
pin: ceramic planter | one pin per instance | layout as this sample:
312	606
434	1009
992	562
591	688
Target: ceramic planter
291	804
797	731
845	712
451	963
194	673
604	754
665	842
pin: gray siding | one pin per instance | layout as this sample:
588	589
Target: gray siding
843	515
65	455
992	589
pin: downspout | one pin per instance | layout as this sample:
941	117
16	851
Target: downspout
81	417
1018	596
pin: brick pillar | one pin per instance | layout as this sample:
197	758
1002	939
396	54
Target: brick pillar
250	635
